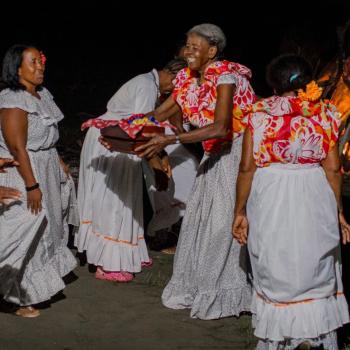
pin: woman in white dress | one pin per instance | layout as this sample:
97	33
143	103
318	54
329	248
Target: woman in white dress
33	253
110	185
288	194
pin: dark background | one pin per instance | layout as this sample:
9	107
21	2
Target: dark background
94	47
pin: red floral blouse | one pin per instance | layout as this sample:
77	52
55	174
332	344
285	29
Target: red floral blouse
198	101
291	130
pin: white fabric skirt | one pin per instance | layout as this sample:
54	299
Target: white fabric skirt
110	208
33	252
295	254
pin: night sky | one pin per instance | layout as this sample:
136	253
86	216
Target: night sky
94	47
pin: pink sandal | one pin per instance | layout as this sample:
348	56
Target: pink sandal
147	263
118	276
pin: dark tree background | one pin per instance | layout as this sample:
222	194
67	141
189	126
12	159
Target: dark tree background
94	47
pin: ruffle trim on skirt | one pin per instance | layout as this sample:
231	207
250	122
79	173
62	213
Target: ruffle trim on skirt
327	341
308	319
208	305
109	253
41	282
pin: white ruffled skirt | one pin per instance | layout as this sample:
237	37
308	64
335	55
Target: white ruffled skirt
33	252
110	208
295	254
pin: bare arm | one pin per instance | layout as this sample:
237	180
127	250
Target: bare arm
167	109
177	120
14	125
247	169
219	129
331	166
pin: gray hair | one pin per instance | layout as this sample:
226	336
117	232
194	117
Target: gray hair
212	33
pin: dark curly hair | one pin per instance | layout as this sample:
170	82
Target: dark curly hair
175	65
288	72
10	65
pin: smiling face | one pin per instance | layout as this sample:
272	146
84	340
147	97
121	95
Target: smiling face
31	71
198	52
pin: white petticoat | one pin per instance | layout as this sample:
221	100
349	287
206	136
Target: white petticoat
295	255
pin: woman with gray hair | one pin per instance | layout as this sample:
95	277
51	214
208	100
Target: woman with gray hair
210	275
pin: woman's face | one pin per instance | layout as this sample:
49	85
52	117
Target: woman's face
198	52
166	85
31	71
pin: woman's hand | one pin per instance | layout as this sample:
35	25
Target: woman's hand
65	167
344	228
160	174
6	163
34	199
8	193
104	142
240	228
166	166
153	146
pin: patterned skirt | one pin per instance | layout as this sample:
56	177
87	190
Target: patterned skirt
210	268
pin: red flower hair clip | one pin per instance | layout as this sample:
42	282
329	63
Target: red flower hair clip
43	58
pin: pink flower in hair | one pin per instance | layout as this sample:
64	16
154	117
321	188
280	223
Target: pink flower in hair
43	58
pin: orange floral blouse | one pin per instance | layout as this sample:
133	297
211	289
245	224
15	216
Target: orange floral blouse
291	130
198	101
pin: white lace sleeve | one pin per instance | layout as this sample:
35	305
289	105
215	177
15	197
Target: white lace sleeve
227	79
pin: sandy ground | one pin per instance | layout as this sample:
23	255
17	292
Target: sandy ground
94	314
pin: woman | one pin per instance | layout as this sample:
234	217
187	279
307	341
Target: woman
33	256
110	185
209	275
290	172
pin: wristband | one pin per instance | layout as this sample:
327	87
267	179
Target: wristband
177	139
31	188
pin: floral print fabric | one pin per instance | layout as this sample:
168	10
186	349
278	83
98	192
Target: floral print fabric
131	125
292	130
198	101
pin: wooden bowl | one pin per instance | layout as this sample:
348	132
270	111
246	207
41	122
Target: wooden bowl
120	141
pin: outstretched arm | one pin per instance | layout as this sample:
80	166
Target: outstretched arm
219	129
167	109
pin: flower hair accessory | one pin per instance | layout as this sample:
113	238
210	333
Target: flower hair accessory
312	92
43	58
